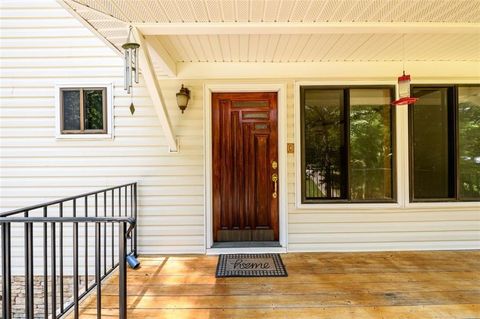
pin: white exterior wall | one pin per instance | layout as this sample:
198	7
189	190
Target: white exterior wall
42	45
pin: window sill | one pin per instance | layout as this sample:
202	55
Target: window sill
345	205
84	137
475	206
445	204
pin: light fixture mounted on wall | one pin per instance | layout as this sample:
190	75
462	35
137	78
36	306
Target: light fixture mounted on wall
183	96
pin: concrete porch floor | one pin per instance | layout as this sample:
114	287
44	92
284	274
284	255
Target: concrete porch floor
429	284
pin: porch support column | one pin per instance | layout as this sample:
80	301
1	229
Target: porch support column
153	88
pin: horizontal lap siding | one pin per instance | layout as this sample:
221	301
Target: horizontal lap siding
42	45
36	167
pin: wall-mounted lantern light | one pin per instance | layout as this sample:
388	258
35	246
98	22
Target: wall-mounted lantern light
183	96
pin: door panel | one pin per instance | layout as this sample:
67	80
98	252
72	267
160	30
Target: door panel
244	135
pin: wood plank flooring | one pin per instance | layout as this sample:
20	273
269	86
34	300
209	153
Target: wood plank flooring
429	284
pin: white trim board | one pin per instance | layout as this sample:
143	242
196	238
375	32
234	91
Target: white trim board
153	88
281	90
200	28
330	71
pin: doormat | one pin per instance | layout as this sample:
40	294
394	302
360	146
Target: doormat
250	265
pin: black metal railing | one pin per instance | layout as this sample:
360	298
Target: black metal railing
119	207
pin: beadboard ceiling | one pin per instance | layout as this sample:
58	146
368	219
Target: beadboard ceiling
111	18
321	47
136	11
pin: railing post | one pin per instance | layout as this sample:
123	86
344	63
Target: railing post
113	230
6	272
60	247
135	216
45	264
86	245
105	234
122	278
75	263
54	269
98	278
29	270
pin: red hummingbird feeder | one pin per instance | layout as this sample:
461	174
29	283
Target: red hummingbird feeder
404	91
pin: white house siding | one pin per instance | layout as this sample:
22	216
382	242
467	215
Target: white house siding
42	45
361	227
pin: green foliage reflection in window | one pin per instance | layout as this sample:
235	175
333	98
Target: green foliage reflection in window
469	141
347	144
83	110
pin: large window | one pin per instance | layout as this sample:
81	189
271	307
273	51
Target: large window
83	111
445	143
347	151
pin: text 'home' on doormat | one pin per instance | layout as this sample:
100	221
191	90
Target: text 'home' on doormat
251	265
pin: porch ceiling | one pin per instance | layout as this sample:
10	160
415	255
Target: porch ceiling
321	47
163	11
290	30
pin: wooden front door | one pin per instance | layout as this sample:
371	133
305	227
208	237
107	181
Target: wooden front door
245	167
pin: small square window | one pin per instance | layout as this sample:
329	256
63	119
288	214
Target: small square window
83	111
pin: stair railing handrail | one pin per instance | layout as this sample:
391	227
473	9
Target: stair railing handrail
66	199
126	230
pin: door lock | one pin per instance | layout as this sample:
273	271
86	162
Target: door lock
274	164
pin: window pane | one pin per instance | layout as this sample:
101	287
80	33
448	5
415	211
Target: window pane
469	141
370	144
433	138
93	100
324	144
71	109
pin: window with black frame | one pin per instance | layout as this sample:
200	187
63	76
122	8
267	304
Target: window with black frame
347	144
83	110
445	143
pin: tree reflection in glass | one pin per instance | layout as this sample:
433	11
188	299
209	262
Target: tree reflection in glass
370	144
364	170
93	100
324	144
469	141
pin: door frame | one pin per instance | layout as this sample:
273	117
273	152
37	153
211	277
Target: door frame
281	91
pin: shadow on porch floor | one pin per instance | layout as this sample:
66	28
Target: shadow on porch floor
430	284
